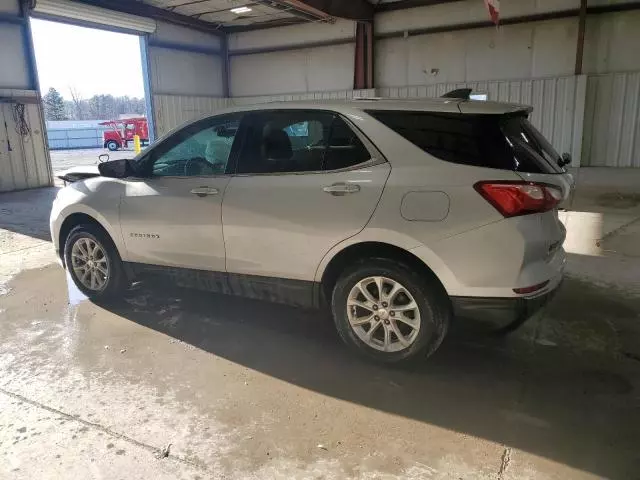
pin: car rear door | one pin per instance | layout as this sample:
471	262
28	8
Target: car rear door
306	180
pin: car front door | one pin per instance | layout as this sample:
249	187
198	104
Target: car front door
305	181
171	214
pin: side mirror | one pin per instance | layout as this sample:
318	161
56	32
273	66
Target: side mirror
116	169
565	160
103	157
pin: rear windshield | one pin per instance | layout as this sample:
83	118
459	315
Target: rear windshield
506	142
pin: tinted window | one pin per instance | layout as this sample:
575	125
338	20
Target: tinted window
345	148
298	141
527	139
202	148
493	141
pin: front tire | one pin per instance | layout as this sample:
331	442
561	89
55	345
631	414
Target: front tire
112	145
93	262
388	312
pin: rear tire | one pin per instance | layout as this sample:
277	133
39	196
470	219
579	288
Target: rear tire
411	306
112	145
92	260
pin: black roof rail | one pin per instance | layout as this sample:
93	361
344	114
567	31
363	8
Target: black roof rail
461	93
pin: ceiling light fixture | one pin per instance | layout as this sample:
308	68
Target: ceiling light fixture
239	10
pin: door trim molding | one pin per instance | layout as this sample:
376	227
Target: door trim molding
297	293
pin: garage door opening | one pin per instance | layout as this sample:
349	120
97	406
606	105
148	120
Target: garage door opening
92	91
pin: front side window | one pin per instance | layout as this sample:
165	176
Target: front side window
298	141
200	149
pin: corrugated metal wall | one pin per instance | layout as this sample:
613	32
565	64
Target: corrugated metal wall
611	102
293	97
173	110
612	121
186	75
24	160
558	103
69	138
300	70
254	71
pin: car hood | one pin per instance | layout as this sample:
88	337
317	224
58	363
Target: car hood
75	174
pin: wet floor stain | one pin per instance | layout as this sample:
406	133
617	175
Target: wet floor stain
244	385
620	200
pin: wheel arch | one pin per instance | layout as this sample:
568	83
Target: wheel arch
371	249
72	221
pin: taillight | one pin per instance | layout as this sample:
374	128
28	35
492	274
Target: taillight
512	199
531	289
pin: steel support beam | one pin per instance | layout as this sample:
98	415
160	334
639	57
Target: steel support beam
294	9
369	51
359	68
185	48
404	4
360	10
29	50
363	67
287	48
282	22
148	86
582	24
226	69
11	19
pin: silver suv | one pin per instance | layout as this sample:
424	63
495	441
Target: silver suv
400	215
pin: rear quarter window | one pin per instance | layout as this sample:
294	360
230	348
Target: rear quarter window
476	140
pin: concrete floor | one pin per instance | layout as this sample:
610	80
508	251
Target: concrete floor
240	389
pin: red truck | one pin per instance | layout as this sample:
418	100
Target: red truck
122	132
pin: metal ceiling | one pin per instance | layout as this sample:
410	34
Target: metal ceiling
271	13
262	12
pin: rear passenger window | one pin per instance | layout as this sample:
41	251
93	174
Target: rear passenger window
298	141
345	148
477	140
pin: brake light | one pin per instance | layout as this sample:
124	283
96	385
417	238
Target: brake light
512	199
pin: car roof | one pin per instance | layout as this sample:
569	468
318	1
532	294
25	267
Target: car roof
354	105
443	105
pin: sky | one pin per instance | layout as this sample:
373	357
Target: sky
89	60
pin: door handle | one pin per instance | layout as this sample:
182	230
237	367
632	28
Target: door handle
339	189
204	191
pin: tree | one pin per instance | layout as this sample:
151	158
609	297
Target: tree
98	107
54	108
79	105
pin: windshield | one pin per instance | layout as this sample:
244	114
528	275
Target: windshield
528	141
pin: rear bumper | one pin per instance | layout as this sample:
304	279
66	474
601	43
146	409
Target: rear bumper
501	313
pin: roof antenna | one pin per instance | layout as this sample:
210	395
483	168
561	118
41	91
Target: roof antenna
461	93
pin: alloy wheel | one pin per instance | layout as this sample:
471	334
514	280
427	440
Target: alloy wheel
383	314
90	264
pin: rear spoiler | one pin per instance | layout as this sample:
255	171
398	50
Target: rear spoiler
465	106
460	93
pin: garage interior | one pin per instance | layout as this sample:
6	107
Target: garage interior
185	385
